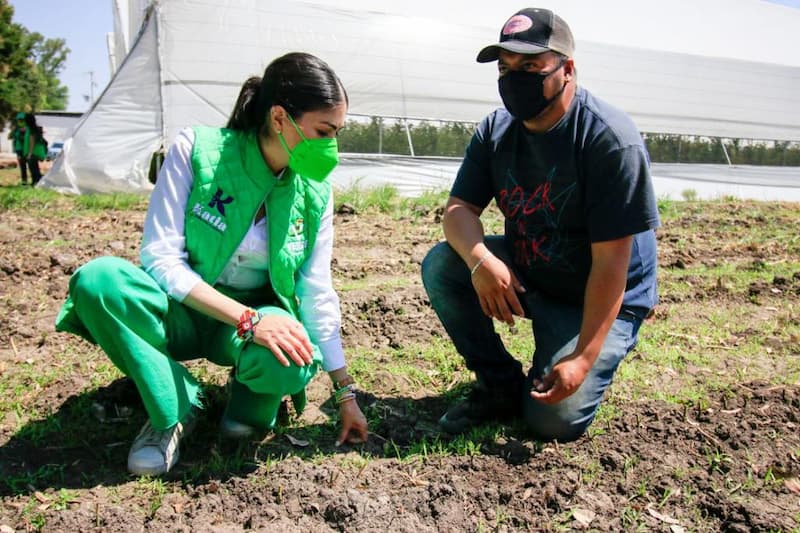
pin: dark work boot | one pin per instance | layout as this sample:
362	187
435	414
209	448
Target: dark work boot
481	405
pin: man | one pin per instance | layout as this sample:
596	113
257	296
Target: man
570	175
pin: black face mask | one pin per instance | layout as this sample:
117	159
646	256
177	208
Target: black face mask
523	92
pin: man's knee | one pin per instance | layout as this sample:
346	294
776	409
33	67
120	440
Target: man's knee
561	422
436	262
440	271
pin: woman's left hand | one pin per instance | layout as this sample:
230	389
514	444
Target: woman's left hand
354	424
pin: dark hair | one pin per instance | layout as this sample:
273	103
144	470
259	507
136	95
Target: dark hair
33	127
297	81
30	121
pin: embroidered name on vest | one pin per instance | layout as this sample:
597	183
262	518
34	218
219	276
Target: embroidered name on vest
215	221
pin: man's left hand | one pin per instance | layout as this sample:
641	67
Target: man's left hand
562	381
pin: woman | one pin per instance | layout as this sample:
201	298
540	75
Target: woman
29	146
236	258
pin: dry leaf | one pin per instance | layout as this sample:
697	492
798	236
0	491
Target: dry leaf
583	516
664	518
793	484
677	529
297	442
41	497
527	493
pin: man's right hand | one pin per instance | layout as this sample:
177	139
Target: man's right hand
497	287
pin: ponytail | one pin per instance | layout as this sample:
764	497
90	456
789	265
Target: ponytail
297	81
243	117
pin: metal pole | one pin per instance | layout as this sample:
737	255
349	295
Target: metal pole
725	151
408	134
91	87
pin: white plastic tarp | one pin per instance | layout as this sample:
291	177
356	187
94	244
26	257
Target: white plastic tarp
412	66
403	60
110	149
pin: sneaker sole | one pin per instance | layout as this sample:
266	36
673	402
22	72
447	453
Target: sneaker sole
453	428
154	471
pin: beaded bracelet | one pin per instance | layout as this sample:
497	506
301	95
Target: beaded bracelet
344	394
245	329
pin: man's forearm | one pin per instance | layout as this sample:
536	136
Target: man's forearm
603	297
464	232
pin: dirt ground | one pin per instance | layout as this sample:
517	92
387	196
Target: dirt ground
729	461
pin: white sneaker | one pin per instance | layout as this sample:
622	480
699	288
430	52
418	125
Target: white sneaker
155	452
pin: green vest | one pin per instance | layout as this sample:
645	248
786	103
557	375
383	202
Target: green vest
21	140
231	181
22	143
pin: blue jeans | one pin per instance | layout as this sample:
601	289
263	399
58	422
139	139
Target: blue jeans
555	325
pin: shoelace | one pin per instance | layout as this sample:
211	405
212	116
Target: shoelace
152	437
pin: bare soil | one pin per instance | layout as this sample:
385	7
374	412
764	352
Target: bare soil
728	461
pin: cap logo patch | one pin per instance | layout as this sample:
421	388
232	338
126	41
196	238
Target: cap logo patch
516	24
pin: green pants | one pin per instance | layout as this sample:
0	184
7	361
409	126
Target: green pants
119	307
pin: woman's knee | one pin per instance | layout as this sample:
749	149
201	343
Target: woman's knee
259	369
98	279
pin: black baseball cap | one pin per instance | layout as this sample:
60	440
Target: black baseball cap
531	31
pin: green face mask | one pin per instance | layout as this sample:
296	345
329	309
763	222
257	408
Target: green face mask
312	158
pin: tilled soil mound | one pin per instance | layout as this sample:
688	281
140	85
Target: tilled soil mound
729	462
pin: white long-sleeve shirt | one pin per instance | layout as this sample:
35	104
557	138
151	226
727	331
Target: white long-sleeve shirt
164	255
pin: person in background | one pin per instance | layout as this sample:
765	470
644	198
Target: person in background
236	259
29	146
570	175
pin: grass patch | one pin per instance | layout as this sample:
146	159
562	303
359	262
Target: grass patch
387	199
17	197
724	322
116	201
381	199
28	198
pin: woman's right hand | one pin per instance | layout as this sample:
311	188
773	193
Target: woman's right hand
284	335
497	287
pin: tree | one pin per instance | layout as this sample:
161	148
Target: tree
29	68
13	65
50	55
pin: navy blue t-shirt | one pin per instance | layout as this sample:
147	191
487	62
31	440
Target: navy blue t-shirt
585	180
